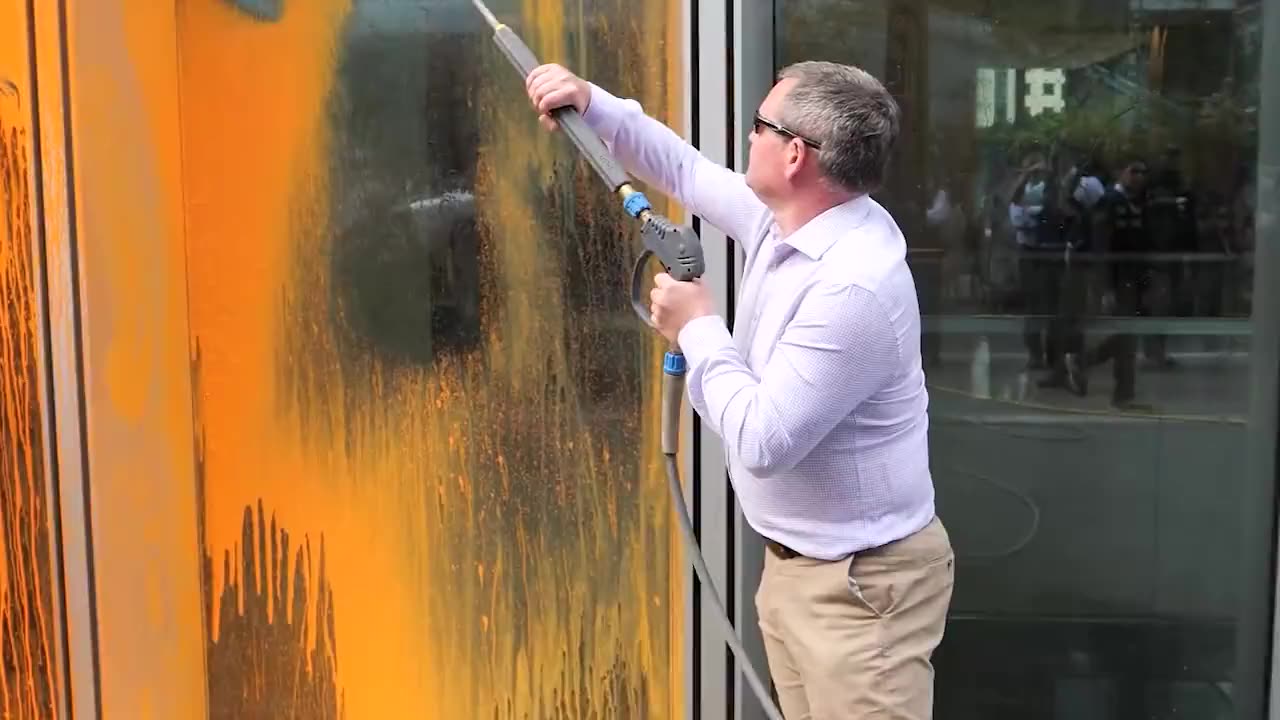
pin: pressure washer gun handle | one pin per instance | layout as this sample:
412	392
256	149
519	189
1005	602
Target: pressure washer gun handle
680	252
571	121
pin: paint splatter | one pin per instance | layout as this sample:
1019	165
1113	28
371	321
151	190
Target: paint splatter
461	405
275	652
274	656
27	672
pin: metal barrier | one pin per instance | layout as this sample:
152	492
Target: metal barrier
1135	325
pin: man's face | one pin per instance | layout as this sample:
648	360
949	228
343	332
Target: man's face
771	160
1135	177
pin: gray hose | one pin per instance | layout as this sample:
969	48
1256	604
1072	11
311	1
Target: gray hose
721	615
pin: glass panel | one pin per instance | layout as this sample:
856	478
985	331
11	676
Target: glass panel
427	430
28	666
1077	182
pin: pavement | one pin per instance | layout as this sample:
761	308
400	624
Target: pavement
1059	505
1101	555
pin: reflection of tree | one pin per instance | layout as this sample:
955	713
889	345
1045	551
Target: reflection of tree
262	664
406	250
27	679
834	30
1217	134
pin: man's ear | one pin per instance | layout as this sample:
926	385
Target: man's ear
795	158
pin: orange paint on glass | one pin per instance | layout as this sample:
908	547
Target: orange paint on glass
28	677
122	159
480	531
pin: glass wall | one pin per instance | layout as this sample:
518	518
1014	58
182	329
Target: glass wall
29	687
426	424
1078	185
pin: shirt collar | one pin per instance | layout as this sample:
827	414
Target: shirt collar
817	236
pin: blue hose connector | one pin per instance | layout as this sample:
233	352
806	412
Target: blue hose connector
635	204
674	364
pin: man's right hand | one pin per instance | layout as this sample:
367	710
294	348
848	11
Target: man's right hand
552	86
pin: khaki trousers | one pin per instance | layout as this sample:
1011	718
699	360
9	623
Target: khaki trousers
853	639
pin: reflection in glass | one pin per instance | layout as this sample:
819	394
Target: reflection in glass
1077	184
426	430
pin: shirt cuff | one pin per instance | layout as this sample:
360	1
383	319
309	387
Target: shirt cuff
703	337
605	112
700	340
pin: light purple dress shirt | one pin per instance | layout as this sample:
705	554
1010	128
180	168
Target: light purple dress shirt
819	395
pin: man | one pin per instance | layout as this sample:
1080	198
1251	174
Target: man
1081	190
1171	230
1120	226
819	394
1065	227
1037	259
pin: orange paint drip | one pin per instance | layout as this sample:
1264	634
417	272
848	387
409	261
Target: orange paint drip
496	536
27	674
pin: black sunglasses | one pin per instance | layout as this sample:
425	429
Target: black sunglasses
783	131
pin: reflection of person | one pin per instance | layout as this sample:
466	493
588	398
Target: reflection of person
819	394
1035	265
946	219
1171	211
1120	222
1026	201
1079	189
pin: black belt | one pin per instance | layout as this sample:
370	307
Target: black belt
780	550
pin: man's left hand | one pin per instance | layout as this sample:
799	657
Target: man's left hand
674	304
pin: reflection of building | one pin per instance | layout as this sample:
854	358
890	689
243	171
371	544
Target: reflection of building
1045	91
996	93
995	96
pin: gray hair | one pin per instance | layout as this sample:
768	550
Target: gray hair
850	113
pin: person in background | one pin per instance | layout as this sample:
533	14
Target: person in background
947	220
1026	217
1120	226
1172	218
1078	192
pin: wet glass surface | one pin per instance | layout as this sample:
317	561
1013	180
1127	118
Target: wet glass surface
1078	185
426	430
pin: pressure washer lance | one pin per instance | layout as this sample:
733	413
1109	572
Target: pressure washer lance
679	250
